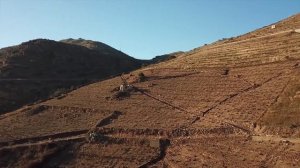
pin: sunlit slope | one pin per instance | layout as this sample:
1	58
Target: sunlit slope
202	108
274	48
261	46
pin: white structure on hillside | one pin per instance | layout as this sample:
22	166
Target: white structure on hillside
273	26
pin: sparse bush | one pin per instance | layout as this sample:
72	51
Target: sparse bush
225	71
58	92
289	58
36	110
141	77
120	95
144	65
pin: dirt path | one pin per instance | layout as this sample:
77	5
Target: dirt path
64	136
275	139
119	133
78	138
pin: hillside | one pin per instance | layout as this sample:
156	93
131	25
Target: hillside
260	37
41	68
233	104
95	45
166	57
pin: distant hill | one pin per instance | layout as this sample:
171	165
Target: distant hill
166	57
40	68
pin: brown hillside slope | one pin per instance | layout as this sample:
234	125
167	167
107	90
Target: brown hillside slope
40	68
206	109
287	24
284	26
267	49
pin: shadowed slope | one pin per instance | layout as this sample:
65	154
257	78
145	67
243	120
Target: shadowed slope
40	68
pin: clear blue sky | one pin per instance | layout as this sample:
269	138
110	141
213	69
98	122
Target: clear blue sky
140	28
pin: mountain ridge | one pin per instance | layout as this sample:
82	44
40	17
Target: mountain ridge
41	59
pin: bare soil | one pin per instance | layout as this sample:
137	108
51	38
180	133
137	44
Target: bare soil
187	113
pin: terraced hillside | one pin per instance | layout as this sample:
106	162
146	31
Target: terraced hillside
263	37
284	25
223	105
39	69
259	50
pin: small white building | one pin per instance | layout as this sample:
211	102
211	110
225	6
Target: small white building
273	26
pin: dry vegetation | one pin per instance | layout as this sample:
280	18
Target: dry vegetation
233	105
284	115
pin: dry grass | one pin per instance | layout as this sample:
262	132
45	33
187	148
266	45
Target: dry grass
171	103
31	156
286	111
